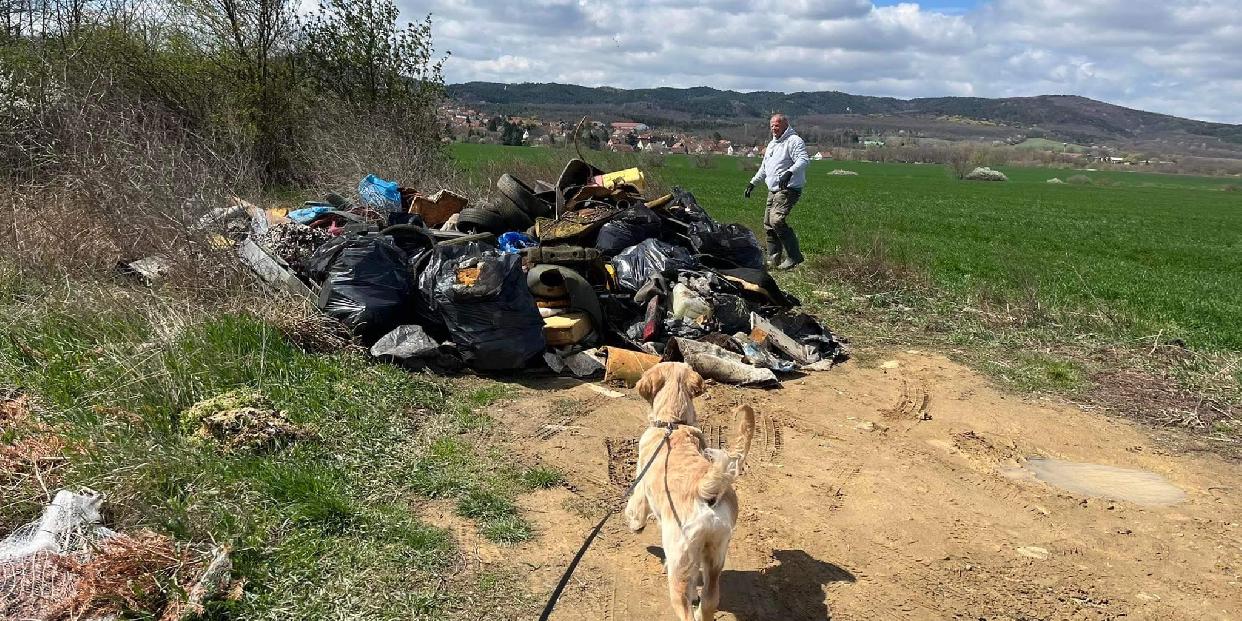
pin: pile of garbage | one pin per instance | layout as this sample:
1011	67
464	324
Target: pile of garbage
583	276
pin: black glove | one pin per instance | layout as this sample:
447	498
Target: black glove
750	187
785	177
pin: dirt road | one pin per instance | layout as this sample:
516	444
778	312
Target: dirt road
866	501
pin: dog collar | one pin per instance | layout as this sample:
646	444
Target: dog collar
667	425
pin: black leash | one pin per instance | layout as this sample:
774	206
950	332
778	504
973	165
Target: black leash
560	586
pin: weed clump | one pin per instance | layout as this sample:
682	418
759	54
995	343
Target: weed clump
241	421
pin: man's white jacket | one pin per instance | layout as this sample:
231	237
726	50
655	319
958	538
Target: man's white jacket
786	153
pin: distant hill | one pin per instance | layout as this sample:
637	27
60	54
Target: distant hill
1061	117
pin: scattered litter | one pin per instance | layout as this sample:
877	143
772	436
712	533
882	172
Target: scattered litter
1054	180
841	172
438	208
149	269
611	394
408	341
627	366
983	173
586	363
1034	552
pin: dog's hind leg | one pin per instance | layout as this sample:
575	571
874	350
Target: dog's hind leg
681	564
713	565
679	581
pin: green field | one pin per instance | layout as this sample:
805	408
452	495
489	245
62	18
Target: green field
1158	254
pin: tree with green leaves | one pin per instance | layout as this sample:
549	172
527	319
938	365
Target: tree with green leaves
358	50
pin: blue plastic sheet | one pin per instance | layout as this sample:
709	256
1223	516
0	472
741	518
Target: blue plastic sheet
513	242
306	215
379	194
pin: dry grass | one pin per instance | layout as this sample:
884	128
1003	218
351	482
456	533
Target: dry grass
127	574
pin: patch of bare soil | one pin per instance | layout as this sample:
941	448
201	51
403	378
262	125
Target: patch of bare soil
880	493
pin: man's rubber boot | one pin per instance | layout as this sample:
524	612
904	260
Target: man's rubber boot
789	264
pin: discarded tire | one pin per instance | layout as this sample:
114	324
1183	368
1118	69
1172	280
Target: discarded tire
497	217
523	197
515	218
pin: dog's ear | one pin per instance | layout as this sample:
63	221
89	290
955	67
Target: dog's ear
652	381
695	382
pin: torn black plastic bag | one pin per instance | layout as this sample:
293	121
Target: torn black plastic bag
628	228
481	295
365	283
733	245
815	343
638	263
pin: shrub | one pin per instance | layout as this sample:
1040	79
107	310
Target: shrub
1079	180
984	173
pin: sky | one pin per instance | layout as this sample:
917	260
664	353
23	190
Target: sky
1181	57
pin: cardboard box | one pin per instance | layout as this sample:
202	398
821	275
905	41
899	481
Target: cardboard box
566	329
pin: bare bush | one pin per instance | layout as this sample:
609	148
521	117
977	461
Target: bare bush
343	144
961	160
651	160
108	178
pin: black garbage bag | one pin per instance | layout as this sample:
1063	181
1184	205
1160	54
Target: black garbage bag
638	263
732	312
481	296
628	228
364	282
732	245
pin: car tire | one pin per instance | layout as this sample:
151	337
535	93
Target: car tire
522	196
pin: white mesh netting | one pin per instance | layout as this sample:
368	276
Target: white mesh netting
34	575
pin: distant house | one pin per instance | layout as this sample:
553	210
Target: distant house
730	150
872	142
626	128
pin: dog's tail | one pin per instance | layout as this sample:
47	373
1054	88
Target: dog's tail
725	471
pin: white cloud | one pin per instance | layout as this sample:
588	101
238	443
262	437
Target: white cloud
1173	56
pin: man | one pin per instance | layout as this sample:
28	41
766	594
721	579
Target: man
784	171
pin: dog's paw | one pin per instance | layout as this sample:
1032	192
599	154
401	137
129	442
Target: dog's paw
636	526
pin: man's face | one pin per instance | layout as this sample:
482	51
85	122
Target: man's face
778	125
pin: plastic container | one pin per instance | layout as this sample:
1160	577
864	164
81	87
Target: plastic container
632	176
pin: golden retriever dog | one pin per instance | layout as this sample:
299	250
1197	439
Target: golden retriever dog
688	487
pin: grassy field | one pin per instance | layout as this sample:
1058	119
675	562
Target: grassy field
1143	254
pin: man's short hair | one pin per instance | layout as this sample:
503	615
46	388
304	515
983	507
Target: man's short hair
780	116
